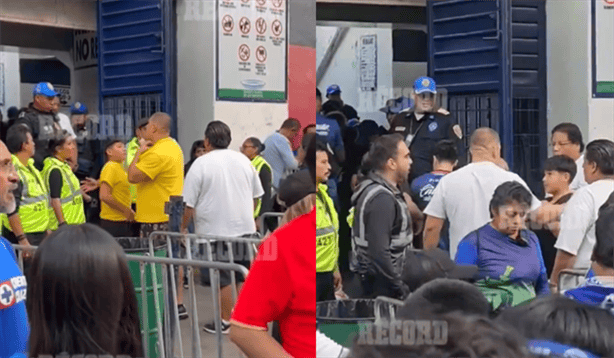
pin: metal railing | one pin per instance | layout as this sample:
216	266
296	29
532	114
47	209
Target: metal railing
262	217
168	327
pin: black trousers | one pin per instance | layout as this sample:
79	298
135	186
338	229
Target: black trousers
120	228
373	286
325	286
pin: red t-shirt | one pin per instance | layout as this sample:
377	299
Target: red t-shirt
281	286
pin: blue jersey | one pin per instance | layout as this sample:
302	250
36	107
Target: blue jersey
14	328
594	293
422	188
328	129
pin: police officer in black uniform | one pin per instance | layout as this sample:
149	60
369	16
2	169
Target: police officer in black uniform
88	156
43	123
424	127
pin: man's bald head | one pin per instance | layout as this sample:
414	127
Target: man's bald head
162	121
484	138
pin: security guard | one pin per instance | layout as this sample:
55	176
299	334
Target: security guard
381	221
64	187
327	231
41	120
424	127
29	222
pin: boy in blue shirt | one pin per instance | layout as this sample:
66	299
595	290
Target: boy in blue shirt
445	159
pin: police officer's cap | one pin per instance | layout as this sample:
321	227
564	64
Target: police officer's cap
333	89
425	84
78	108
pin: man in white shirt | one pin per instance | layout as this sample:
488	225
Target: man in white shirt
567	140
577	236
220	193
463	197
63	119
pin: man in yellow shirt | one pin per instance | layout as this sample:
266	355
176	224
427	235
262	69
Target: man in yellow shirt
116	215
157	171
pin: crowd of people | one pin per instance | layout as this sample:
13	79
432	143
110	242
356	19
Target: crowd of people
81	299
408	206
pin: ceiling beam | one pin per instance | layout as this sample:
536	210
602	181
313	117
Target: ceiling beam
376	2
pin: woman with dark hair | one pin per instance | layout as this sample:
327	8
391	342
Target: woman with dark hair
64	187
251	148
510	264
558	319
197	151
81	299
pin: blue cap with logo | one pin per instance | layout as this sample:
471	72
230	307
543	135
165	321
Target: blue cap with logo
78	108
425	84
44	89
333	89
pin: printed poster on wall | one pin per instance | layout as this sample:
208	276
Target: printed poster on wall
603	48
252	50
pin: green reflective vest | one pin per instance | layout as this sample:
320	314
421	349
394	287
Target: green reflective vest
34	203
71	198
327	232
258	162
131	149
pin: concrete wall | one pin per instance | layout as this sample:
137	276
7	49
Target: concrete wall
76	14
570	71
344	69
9	57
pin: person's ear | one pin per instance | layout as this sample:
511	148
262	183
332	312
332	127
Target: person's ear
567	177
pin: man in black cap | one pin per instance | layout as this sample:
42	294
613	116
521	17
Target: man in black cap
424	127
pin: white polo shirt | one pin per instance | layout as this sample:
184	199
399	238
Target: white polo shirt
463	197
577	235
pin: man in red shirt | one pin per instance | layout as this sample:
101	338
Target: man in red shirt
289	299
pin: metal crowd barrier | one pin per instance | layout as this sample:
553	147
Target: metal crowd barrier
168	328
262	217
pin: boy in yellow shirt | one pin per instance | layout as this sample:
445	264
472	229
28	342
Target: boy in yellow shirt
116	215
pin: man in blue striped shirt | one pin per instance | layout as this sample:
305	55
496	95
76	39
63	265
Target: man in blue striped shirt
278	150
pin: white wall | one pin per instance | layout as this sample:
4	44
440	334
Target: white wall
405	73
570	70
196	105
9	56
344	69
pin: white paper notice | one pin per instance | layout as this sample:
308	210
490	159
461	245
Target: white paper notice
252	50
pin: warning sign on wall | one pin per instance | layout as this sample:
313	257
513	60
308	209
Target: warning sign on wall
252	50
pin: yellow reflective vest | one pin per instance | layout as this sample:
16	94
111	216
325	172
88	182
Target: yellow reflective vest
71	198
327	232
34	201
258	162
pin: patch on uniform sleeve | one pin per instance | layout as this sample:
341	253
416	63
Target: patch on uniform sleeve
433	126
458	131
399	129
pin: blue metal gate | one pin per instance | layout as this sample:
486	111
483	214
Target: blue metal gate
136	63
490	56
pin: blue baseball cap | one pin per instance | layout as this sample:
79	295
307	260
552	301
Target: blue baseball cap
425	84
333	89
78	108
44	89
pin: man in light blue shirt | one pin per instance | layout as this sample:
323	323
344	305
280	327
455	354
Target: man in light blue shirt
278	150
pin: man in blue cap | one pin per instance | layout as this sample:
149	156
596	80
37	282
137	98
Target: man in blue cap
335	103
43	123
425	126
88	152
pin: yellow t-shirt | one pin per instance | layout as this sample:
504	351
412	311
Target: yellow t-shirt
115	176
163	163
